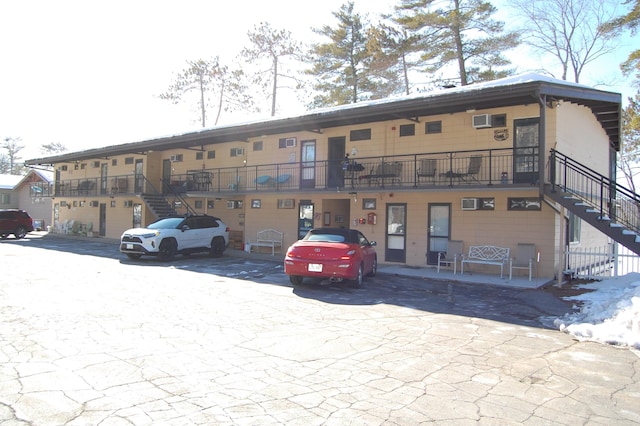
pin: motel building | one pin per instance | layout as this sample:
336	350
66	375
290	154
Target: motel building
522	160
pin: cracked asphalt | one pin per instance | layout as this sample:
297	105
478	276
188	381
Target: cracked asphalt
88	337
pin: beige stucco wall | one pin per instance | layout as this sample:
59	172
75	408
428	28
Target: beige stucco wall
571	129
580	136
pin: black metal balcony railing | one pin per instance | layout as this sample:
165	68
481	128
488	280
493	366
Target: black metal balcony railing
451	168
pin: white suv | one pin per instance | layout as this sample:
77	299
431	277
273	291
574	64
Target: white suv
172	235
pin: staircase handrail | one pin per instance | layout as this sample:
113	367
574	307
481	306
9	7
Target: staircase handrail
613	201
151	189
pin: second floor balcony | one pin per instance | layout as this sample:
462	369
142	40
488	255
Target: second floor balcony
409	172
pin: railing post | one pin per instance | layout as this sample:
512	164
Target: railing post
552	170
490	167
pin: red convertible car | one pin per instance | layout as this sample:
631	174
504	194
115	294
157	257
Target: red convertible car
336	254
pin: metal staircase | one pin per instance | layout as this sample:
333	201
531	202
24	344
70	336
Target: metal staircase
594	198
158	203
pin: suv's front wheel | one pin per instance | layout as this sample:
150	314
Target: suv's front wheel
167	250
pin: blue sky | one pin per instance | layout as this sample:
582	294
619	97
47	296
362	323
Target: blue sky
87	74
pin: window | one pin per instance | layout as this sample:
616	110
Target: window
198	204
211	154
237	152
287	142
433	127
128	160
360	135
63	168
199	155
257	146
176	157
573	228
499	120
5	198
114	162
407	130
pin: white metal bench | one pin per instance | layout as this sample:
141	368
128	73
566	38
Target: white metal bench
487	255
268	238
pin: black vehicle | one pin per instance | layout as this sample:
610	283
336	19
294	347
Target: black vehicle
16	222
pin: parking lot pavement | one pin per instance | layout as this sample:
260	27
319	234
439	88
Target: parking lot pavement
88	337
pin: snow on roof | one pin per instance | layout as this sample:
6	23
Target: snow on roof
9	181
515	80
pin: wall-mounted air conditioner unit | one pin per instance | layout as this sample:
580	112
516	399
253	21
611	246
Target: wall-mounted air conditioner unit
290	142
469	204
481	121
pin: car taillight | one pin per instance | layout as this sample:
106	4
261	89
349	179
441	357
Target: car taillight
348	255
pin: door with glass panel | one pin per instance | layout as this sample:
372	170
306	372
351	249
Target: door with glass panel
439	231
396	233
308	164
526	149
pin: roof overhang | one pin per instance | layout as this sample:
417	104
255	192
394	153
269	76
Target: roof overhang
523	90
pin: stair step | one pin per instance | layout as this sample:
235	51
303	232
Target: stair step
628	232
615	225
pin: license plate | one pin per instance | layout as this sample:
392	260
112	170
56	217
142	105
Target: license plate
315	267
129	246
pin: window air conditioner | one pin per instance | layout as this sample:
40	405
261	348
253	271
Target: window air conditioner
469	204
481	121
290	142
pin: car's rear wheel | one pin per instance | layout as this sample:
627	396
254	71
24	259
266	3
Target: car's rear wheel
374	268
360	277
295	279
167	250
4	236
217	247
133	256
21	232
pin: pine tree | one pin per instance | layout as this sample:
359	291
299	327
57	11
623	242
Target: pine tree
458	33
629	21
340	65
630	151
391	60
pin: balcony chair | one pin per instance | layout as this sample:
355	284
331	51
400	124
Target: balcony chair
427	169
263	180
475	163
524	259
452	256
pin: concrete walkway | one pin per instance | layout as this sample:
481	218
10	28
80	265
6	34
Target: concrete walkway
430	273
91	340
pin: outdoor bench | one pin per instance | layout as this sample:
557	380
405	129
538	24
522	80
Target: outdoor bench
486	255
268	238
